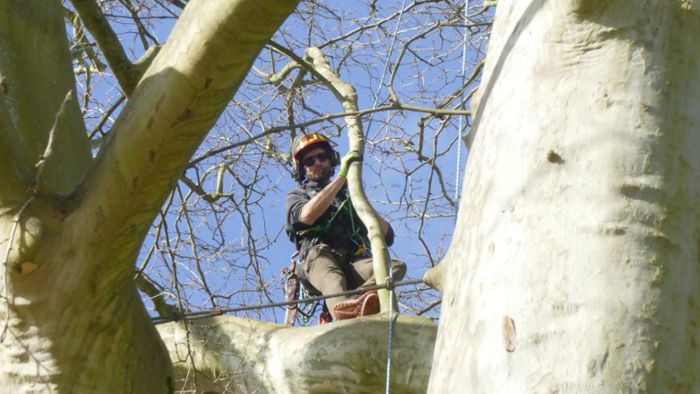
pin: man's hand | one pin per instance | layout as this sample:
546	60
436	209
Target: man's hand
349	157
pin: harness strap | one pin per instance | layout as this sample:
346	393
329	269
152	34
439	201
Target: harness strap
361	243
323	229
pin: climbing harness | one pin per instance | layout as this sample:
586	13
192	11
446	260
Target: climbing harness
361	242
294	290
294	286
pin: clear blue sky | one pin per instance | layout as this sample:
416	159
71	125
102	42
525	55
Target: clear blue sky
432	69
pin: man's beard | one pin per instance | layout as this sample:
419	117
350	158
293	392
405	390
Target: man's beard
322	175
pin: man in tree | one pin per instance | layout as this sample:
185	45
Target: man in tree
330	237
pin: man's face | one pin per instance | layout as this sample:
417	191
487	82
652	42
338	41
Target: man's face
319	170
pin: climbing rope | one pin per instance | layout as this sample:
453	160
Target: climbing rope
460	134
220	311
390	286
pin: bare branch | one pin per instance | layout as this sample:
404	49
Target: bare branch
172	110
148	287
95	21
345	93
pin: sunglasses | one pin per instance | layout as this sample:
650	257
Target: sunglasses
309	161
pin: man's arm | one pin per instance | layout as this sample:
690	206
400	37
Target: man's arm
313	209
318	205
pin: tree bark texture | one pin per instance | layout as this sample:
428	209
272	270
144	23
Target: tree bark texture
229	354
70	317
575	260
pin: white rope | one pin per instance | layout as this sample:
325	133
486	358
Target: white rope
391	337
458	169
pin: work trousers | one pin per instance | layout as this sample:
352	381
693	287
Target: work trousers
332	271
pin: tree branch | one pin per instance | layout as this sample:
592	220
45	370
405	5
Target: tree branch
178	100
360	113
156	295
245	355
34	34
347	96
96	23
49	151
302	62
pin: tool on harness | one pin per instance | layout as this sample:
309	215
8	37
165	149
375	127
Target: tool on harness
291	291
294	289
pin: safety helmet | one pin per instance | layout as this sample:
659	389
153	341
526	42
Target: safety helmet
304	143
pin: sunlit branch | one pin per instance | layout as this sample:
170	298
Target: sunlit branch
95	21
303	63
157	296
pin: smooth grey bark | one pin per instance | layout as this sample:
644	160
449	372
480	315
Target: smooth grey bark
32	35
243	356
68	306
574	263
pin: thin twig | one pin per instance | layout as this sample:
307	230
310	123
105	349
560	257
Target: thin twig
302	125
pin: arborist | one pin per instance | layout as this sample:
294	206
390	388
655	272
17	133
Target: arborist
328	233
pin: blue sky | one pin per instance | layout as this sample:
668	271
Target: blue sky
433	66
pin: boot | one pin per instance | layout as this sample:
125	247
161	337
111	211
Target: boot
369	303
347	309
366	304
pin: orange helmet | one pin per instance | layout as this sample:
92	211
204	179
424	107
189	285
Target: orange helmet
302	144
305	142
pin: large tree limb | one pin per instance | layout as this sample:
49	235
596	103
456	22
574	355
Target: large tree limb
178	100
9	147
148	287
242	355
33	93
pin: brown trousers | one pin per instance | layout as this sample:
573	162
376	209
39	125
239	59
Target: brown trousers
331	271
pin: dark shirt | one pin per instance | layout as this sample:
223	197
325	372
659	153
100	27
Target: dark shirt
339	234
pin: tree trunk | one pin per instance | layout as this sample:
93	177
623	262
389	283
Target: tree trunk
70	227
239	355
575	260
